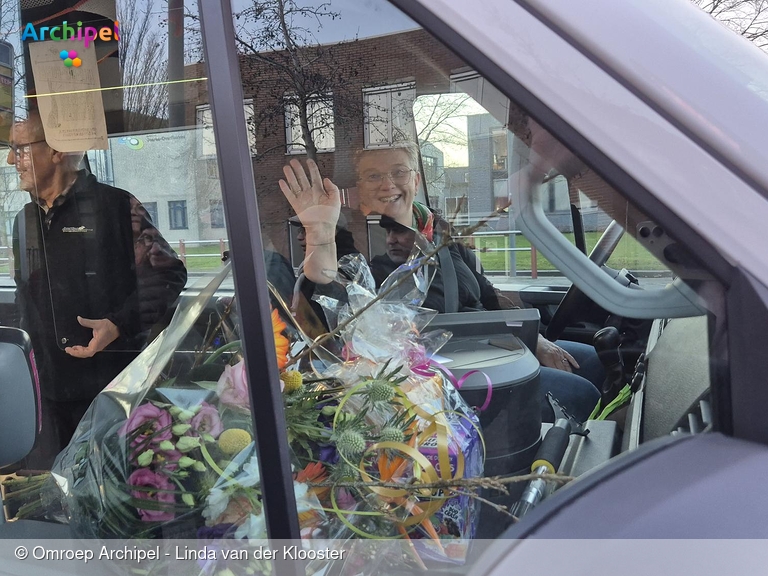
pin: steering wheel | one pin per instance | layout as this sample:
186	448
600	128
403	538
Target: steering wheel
575	299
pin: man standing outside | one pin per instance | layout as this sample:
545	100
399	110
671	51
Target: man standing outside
78	286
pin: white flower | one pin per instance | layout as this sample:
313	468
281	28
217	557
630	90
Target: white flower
215	504
304	503
254	528
250	475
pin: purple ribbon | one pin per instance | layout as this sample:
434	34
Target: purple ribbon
427	370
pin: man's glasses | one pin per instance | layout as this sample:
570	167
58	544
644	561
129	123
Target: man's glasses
146	239
20	150
398	176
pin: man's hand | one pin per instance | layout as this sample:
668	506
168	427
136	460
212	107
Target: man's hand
317	203
104	333
552	356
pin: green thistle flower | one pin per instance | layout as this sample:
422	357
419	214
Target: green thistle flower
380	391
351	443
391	434
345	472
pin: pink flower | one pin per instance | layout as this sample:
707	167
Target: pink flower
207	421
153	424
232	388
156	488
345	500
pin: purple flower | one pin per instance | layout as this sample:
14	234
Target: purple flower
153	424
207	421
157	488
167	460
232	388
328	454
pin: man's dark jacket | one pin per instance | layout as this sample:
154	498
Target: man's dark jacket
80	262
475	291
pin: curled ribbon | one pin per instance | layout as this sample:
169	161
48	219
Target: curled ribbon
427	370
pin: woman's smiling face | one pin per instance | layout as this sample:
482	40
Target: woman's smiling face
388	184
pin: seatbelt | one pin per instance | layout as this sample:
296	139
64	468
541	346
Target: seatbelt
450	281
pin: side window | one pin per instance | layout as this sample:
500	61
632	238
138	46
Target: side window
372	145
482	161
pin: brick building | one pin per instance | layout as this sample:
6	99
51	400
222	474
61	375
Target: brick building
382	72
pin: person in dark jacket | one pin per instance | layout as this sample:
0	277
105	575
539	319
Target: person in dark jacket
475	291
93	275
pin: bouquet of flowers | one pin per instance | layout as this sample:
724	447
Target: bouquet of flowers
395	424
167	449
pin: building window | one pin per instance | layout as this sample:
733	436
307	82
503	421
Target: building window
430	168
217	214
321	124
389	114
499	141
177	214
206	147
151	208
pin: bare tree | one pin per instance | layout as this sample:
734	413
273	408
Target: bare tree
294	74
144	64
749	18
434	114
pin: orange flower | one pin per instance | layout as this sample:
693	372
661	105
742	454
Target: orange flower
281	342
314	472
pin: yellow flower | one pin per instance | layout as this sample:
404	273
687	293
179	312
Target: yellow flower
292	380
234	440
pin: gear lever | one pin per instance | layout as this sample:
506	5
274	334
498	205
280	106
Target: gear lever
549	456
606	343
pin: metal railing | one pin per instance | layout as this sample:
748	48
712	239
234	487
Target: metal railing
511	268
181	246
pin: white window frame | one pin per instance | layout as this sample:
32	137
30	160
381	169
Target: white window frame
206	147
294	144
404	91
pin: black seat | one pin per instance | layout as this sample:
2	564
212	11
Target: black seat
20	419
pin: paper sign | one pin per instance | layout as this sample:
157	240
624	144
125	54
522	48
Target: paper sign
69	97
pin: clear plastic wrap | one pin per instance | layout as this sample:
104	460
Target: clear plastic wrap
376	434
166	450
398	421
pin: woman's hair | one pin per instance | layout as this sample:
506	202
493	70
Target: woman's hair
407	146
